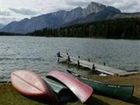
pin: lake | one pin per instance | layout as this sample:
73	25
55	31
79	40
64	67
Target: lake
39	53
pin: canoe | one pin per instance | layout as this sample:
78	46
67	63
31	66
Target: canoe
32	86
56	86
81	90
63	93
123	92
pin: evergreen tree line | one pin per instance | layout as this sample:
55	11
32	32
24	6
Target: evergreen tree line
127	28
10	34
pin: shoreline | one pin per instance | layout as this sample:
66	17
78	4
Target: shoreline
8	93
70	37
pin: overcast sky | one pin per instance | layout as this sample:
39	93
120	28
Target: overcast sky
11	10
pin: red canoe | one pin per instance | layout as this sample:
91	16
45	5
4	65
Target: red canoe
32	85
80	89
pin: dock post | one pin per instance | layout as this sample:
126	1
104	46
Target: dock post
78	63
58	56
68	59
93	67
88	59
58	59
104	63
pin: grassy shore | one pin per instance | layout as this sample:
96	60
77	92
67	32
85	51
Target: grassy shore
8	96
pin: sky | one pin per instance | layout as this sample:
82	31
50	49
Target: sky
15	10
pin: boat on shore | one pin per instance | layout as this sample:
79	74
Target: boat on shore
123	92
63	93
81	90
31	85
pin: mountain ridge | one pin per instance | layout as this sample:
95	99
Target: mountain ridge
104	14
93	12
1	26
52	20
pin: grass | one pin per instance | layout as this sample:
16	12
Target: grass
8	96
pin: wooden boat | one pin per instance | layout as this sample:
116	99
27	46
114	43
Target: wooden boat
123	92
32	85
63	93
81	90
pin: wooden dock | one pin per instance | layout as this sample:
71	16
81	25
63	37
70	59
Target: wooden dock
94	66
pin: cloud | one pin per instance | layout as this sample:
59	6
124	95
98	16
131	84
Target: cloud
21	9
80	3
24	11
5	13
129	6
123	5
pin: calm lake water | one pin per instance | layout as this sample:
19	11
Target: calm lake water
39	53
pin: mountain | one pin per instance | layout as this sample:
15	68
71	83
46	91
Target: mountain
108	13
93	7
52	20
127	15
1	26
93	12
105	14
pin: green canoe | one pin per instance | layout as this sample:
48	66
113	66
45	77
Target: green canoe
63	93
123	92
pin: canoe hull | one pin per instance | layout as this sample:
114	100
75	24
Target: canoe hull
123	92
32	85
81	90
63	93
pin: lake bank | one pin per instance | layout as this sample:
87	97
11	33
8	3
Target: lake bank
8	96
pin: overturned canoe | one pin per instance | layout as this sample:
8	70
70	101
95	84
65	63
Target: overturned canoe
32	85
81	90
123	92
63	93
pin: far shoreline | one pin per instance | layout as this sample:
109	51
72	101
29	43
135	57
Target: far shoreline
66	37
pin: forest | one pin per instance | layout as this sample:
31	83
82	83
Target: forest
126	28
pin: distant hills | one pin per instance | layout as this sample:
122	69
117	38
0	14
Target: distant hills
1	26
56	19
92	13
122	28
